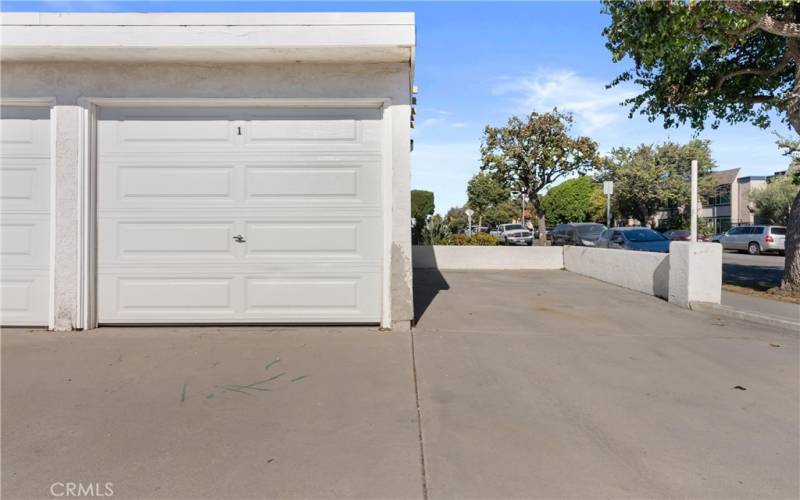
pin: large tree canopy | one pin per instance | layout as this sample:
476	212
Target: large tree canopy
734	61
650	178
529	155
575	200
731	61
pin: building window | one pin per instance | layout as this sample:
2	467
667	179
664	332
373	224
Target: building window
721	196
719	224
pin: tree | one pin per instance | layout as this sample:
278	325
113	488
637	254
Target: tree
485	191
597	206
503	212
573	200
422	206
652	178
773	201
456	219
734	61
532	154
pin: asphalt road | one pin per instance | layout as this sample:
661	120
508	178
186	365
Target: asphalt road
754	271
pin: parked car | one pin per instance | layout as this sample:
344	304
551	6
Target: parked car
633	238
682	235
754	239
475	229
578	234
512	234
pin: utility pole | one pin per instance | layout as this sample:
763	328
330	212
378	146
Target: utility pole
693	222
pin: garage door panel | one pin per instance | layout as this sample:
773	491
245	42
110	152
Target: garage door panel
334	182
24	132
24	241
142	297
313	239
323	297
166	239
312	128
23	297
281	297
24	185
176	183
164	130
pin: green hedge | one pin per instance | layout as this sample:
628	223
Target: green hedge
477	239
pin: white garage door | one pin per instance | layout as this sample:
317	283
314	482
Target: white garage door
250	215
24	215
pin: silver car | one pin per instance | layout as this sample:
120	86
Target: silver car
754	239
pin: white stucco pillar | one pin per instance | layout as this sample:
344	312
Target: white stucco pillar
401	270
695	273
66	216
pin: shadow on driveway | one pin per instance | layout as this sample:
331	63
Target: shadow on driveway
756	277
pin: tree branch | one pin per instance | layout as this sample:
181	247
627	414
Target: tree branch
782	64
758	99
765	21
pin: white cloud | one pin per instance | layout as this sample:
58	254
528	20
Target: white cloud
593	105
432	119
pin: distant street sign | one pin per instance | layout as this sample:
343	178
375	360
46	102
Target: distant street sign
470	212
608	187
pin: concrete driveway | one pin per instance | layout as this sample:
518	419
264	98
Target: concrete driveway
530	385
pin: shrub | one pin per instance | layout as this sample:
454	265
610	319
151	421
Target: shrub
477	239
483	240
435	232
459	240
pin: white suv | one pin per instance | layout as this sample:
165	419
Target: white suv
754	239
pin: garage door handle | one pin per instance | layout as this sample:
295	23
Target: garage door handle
239	238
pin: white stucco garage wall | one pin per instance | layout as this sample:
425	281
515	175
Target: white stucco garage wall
67	82
483	258
646	272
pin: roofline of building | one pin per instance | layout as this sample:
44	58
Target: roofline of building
209	37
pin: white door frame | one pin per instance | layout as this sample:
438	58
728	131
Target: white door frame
87	286
49	102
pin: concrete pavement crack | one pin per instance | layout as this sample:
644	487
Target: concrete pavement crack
419	419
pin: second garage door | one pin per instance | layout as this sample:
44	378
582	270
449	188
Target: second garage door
217	215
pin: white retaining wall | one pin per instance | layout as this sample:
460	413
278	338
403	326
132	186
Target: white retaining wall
689	273
478	258
646	272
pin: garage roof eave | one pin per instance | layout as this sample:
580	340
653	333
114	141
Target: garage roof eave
206	54
267	37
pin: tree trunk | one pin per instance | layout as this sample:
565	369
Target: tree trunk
791	270
536	208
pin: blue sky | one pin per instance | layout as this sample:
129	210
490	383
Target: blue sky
478	63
